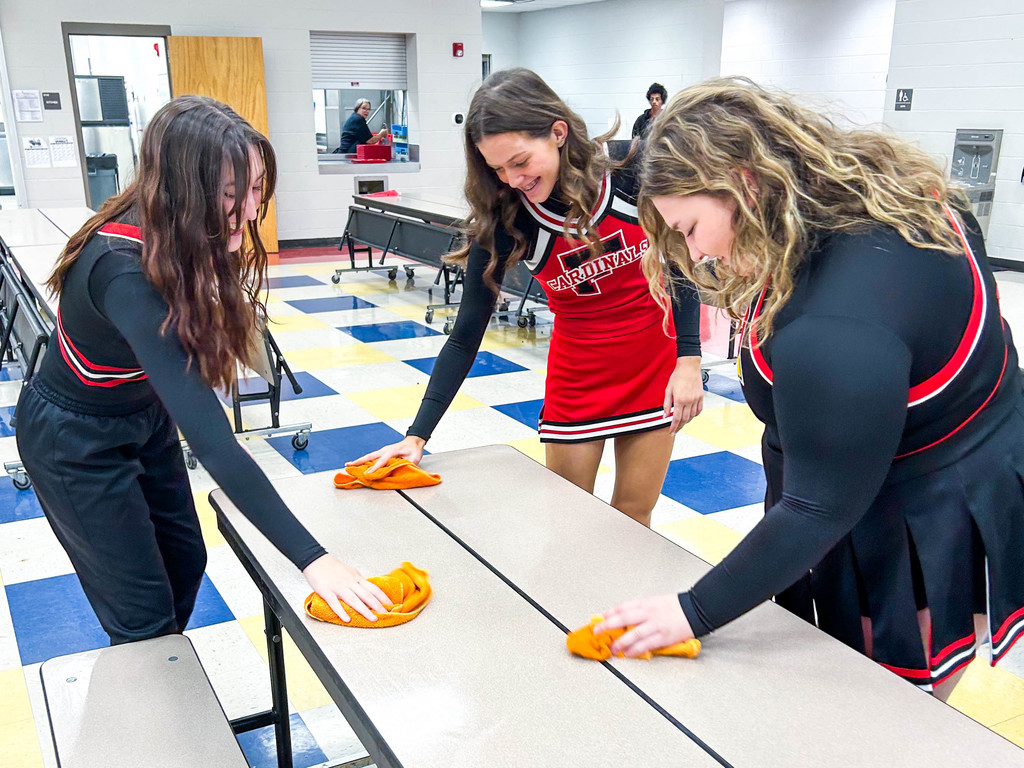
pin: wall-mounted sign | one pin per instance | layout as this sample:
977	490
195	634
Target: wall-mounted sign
51	100
904	98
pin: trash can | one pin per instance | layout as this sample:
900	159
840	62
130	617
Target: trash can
102	173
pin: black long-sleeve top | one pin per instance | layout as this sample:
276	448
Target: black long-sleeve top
870	321
113	314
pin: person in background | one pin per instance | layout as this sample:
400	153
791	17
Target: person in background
543	193
656	96
894	433
158	301
356	131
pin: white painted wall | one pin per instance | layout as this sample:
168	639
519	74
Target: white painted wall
835	52
965	63
309	204
601	57
501	38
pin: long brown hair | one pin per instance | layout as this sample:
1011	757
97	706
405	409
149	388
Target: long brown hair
178	192
793	175
518	101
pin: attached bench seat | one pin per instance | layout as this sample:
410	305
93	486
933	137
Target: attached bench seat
141	704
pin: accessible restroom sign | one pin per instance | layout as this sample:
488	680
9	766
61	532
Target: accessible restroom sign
904	98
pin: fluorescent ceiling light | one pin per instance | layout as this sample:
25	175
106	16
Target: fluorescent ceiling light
495	3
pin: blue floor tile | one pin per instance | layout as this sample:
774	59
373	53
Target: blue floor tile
330	304
406	329
292	281
6	414
311	387
17	505
10	372
485	364
526	412
726	387
260	746
714	481
331	448
52	617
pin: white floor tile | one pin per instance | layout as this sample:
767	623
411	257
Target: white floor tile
233	582
364	378
30	551
239	676
8	449
472	428
334	735
371	315
505	387
9	393
740	519
327	412
412	349
316	338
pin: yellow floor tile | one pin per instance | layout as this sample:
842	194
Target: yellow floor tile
364	289
707	539
14	695
19	744
285	323
989	695
403	402
304	689
728	427
319	268
207	520
1012	730
322	358
511	337
534	448
414	312
531	446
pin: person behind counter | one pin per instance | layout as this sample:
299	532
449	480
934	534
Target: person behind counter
356	131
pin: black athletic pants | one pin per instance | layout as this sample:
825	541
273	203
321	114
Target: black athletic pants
117	496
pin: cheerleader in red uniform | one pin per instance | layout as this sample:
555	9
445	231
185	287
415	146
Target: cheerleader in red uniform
543	193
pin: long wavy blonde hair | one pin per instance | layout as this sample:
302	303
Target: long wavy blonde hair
793	176
517	100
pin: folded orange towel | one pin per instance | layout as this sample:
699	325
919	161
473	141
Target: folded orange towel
397	473
407	587
583	642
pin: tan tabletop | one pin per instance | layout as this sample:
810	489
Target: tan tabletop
36	263
68	220
140	704
28	226
480	678
768	690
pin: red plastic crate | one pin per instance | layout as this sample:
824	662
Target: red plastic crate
373	152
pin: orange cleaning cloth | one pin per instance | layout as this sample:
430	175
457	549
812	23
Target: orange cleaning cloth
397	473
407	587
583	642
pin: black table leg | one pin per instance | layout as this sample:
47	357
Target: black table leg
278	687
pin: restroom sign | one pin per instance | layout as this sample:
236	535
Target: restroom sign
904	98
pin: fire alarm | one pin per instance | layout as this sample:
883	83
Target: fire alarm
457	50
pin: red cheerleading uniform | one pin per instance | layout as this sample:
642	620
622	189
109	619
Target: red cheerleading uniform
611	355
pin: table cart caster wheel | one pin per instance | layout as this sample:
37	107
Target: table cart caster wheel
335	279
447	327
533	321
521	322
191	461
392	274
22	481
429	316
410	273
300	441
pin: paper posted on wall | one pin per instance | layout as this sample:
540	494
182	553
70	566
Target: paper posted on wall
37	153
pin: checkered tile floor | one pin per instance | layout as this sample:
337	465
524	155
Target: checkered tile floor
362	354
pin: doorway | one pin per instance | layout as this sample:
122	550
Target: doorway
119	80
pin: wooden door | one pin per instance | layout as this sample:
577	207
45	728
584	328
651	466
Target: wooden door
229	69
